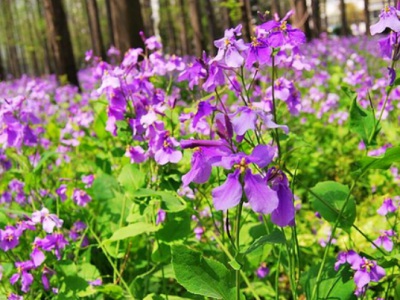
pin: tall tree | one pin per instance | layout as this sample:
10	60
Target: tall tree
127	22
48	57
95	31
343	17
110	23
183	36
246	19
301	17
171	34
32	39
59	37
276	7
212	24
194	15
366	16
316	17
11	41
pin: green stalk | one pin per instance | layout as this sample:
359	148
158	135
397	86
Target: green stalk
238	216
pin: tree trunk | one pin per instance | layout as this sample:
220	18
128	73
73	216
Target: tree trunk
110	23
366	16
212	26
198	38
343	17
10	31
301	17
276	8
95	31
58	35
246	19
226	19
172	42
127	22
147	18
316	18
186	49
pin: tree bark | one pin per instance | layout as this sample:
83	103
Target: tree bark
127	22
186	50
316	18
276	8
366	16
10	31
95	31
59	37
343	17
246	19
198	38
172	41
110	23
212	26
301	17
48	57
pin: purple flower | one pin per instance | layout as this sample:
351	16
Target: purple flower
258	50
13	296
260	196
48	221
9	238
262	271
388	18
229	48
46	273
95	282
198	231
55	241
384	240
23	275
80	197
161	214
76	232
366	271
165	151
61	192
388	206
284	214
136	154
88	180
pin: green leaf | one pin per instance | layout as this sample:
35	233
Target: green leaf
201	276
112	290
235	265
132	230
104	187
333	285
176	227
171	202
362	121
328	198
131	178
43	159
391	156
276	237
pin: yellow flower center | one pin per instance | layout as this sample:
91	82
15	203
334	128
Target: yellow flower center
9	237
368	265
387	8
255	42
242	166
227	42
283	26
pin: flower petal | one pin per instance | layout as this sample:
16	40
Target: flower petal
261	197
229	194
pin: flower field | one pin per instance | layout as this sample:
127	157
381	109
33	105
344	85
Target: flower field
268	171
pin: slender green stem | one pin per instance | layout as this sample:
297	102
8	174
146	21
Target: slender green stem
128	290
229	255
277	274
328	246
274	107
238	216
121	220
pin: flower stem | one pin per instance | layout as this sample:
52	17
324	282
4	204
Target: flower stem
238	216
274	107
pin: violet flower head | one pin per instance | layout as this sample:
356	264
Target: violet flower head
388	206
165	151
366	271
48	221
88	180
262	271
198	231
161	215
388	18
258	50
136	154
229	48
61	192
9	238
260	196
384	240
80	197
23	275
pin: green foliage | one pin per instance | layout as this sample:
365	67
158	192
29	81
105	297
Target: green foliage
329	198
